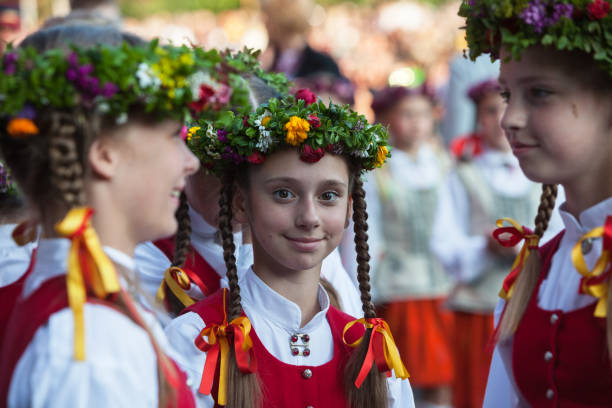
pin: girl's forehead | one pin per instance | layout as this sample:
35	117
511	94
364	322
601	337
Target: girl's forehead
287	165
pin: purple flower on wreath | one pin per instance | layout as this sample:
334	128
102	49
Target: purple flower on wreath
539	14
73	59
222	135
71	74
231	155
27	112
109	90
10	63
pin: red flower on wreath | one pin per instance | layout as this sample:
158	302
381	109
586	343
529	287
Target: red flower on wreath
206	93
310	155
256	158
598	9
314	121
306	95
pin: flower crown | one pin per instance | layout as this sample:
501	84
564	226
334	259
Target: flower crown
169	81
583	25
299	121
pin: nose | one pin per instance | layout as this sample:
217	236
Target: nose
191	164
308	216
514	116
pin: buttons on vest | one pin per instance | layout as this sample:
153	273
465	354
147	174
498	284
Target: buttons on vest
299	344
548	356
587	245
550	394
307	373
554	318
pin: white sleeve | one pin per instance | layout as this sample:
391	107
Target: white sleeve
120	369
181	334
14	259
464	256
333	271
400	393
151	263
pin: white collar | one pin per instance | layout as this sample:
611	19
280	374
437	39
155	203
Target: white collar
199	226
590	218
262	300
52	261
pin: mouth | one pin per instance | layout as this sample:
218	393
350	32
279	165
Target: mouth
519	147
175	194
304	244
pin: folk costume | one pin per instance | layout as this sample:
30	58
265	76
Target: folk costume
557	355
296	365
78	335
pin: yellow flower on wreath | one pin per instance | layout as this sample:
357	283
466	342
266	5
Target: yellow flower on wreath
265	120
297	130
21	128
192	131
381	155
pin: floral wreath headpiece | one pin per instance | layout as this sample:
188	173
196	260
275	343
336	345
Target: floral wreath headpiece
582	25
298	121
168	81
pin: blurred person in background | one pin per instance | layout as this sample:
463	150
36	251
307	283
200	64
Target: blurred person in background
328	86
460	112
10	22
287	25
103	12
484	187
409	283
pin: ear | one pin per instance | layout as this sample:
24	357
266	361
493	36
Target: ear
349	212
239	206
104	157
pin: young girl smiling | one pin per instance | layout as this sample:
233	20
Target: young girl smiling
292	178
555	333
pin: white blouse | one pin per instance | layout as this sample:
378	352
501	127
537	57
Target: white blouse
120	369
14	259
559	291
275	319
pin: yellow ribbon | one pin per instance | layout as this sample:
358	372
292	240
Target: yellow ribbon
517	233
88	268
177	281
599	288
381	350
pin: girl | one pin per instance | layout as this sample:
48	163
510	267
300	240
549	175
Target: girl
193	259
79	133
408	281
555	333
294	169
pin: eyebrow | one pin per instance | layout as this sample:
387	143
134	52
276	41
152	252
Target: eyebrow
291	180
527	79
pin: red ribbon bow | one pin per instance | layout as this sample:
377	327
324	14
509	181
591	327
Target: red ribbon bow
217	347
512	236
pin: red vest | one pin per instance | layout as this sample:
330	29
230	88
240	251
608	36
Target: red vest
560	359
210	281
34	312
8	298
286	385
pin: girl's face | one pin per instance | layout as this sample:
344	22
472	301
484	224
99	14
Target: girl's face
297	211
557	128
490	110
153	165
411	121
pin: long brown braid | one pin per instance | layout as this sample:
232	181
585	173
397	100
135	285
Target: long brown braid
529	275
373	391
243	390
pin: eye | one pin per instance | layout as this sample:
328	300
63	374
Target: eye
283	194
329	196
505	95
537	93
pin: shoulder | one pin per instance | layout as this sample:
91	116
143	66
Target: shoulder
119	359
211	308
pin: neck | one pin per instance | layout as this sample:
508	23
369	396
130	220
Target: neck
587	190
408	148
300	287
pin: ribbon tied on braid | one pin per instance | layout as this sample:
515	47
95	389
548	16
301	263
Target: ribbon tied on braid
217	348
512	235
89	269
178	280
382	350
595	282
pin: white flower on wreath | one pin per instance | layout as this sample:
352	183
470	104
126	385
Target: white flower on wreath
211	133
197	79
265	140
360	153
146	77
